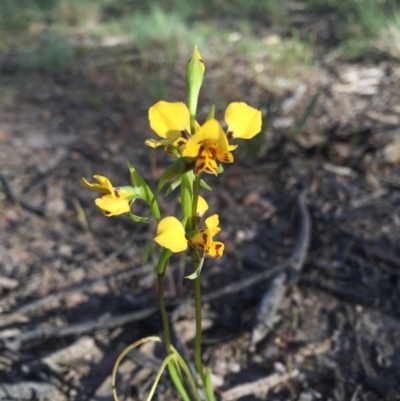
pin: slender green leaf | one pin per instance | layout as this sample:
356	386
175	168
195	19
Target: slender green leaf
208	385
197	271
138	219
183	366
176	169
144	192
173	186
142	189
204	185
158	375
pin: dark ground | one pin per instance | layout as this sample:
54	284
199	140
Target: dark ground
338	324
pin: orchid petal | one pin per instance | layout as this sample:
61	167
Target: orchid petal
171	234
243	120
202	206
168	120
216	249
104	186
111	206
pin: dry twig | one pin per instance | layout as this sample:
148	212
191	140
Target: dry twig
258	387
277	288
12	196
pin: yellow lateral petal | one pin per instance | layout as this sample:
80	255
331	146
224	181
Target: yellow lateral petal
243	121
171	234
105	183
168	120
104	186
111	206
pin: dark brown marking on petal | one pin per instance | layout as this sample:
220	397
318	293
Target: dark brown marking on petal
205	237
229	134
185	134
107	213
116	192
196	245
217	248
200	167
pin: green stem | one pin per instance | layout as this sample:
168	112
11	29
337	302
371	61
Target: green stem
172	368
196	192
196	259
163	312
197	301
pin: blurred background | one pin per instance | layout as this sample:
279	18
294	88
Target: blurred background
56	34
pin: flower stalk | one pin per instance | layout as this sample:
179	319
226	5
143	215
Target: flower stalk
195	149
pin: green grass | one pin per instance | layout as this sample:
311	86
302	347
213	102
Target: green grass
360	22
43	29
53	53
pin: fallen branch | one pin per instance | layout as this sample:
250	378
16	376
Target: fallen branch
80	328
13	197
259	387
39	303
276	290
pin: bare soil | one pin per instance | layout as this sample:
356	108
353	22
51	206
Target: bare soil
338	325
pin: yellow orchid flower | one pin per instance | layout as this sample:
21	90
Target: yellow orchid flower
206	145
204	238
115	200
210	142
171	122
171	235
